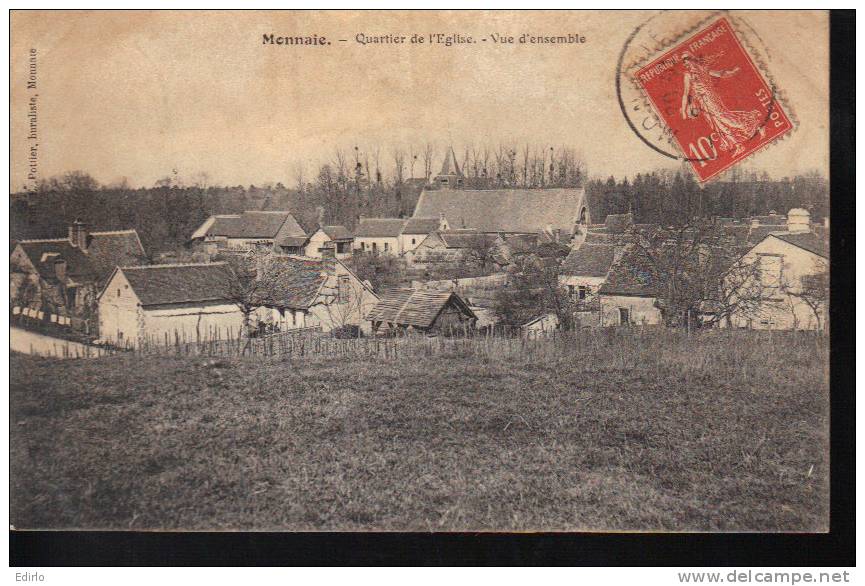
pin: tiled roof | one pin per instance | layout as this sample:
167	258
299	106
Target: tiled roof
294	282
415	307
618	223
632	275
504	210
254	224
181	283
465	238
105	251
337	232
292	241
420	225
590	260
598	237
379	227
757	234
807	241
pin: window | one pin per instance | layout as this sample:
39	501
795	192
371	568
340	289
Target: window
343	291
624	316
118	292
386	246
374	246
571	291
363	246
293	318
581	292
412	240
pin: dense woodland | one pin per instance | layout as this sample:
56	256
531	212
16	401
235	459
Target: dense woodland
356	184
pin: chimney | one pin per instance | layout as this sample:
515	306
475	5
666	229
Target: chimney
78	234
798	220
60	270
557	234
826	222
755	223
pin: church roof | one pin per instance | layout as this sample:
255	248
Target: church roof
524	211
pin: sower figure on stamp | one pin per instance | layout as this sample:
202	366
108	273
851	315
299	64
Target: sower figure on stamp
699	95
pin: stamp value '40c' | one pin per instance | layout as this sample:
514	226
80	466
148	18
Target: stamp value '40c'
713	99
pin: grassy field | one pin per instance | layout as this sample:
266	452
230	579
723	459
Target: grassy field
606	431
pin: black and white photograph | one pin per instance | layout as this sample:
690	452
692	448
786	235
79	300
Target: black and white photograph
420	271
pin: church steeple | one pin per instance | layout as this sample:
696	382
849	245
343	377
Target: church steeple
450	175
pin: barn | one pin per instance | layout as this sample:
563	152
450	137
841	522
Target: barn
422	310
162	303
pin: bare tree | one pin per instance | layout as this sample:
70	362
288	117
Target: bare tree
428	154
698	272
813	291
399	166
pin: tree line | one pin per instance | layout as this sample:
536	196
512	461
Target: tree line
355	184
672	197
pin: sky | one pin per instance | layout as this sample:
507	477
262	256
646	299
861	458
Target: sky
137	95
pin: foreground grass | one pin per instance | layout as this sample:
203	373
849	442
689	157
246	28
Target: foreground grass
722	431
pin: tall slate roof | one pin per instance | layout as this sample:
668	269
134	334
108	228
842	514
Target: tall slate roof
504	210
589	260
180	283
807	241
632	275
421	225
415	307
294	282
105	250
337	232
379	227
251	224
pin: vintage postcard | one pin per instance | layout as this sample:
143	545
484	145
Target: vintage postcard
420	271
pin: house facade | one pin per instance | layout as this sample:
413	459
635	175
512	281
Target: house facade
793	269
631	292
62	276
251	230
415	230
379	235
583	272
312	293
164	304
330	241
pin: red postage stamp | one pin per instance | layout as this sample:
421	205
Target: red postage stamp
714	101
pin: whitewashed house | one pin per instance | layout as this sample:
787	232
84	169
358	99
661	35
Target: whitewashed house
379	235
313	293
62	276
415	230
162	304
262	230
583	272
330	241
630	294
793	268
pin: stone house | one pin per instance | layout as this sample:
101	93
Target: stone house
163	304
379	235
262	230
329	241
62	276
793	267
304	293
583	272
631	292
